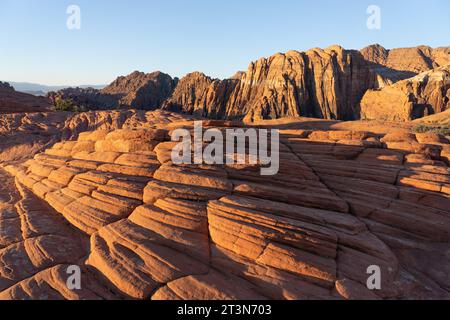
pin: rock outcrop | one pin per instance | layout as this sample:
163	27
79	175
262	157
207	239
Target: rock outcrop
327	84
140	226
417	97
12	101
23	135
321	83
141	91
414	60
138	90
318	83
442	118
202	96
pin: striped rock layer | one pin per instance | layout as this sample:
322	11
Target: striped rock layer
141	227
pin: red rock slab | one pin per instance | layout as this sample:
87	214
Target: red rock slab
316	197
379	156
10	226
352	290
37	218
164	151
46	159
189	182
22	260
160	189
359	186
201	176
89	214
334	220
138	160
282	243
423	184
145	134
425	221
143	171
64	175
271	282
135	145
93	135
153	247
354	169
51	284
212	286
426	198
104	157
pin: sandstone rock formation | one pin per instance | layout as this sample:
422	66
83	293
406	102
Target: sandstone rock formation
141	91
321	83
200	95
138	90
318	83
12	101
442	118
414	60
417	97
23	135
142	227
326	83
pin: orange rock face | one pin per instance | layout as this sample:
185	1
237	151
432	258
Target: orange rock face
413	60
417	97
324	83
111	202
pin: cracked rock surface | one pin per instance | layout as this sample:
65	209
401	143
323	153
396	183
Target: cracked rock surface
108	199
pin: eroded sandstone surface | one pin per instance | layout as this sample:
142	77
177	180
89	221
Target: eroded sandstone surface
104	195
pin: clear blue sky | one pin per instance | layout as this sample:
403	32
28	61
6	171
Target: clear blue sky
217	37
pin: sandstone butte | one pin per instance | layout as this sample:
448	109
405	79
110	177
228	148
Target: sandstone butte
98	190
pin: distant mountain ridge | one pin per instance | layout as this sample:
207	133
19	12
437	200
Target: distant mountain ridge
40	89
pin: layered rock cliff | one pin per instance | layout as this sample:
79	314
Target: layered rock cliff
414	60
425	94
318	83
201	95
321	83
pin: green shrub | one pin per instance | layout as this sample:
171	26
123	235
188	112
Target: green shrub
64	105
68	105
422	128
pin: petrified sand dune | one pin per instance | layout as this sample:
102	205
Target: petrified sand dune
111	201
24	134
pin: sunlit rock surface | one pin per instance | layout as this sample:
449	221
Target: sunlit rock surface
102	193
